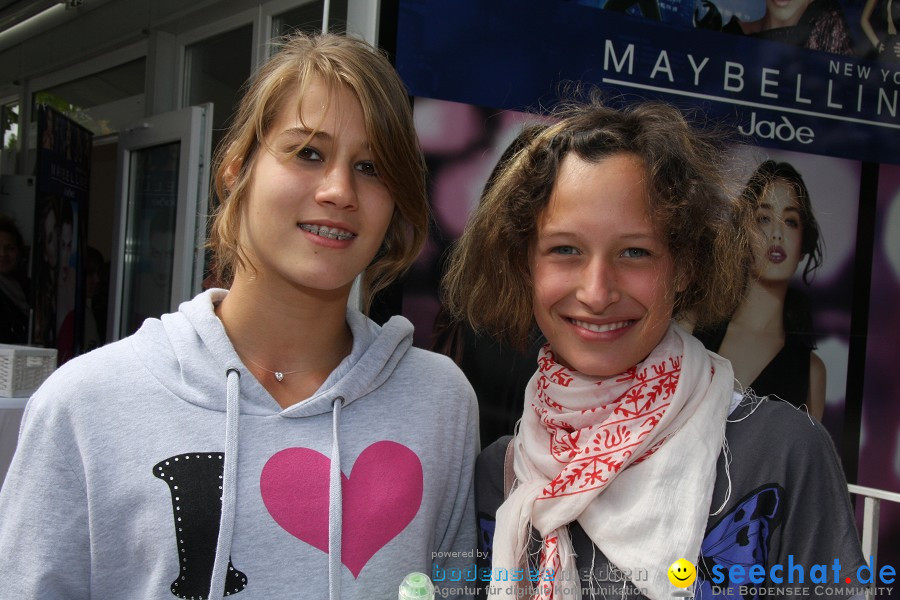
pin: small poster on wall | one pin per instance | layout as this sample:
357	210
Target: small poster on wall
61	188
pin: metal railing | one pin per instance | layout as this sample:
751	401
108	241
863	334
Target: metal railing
871	508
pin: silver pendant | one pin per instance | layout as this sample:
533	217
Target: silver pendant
279	375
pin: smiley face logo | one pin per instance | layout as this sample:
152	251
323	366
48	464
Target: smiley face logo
682	573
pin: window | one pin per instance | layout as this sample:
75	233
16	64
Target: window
9	129
215	69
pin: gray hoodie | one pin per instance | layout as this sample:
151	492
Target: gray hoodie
159	467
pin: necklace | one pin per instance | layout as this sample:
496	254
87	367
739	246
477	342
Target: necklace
280	375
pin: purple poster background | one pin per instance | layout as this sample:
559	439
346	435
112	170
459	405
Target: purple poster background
462	143
879	460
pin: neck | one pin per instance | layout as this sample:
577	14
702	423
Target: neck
286	329
763	308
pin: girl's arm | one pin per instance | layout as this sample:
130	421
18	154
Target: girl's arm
818	526
866	24
44	529
817	375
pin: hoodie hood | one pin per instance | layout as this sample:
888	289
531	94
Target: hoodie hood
190	354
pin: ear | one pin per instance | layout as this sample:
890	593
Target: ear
231	173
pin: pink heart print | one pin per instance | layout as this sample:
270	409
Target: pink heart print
380	497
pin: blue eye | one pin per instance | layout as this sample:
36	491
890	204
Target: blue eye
307	153
635	253
367	167
565	250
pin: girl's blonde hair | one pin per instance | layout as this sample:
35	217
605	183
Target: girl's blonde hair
708	229
335	61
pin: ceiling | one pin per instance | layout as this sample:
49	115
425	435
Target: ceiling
13	12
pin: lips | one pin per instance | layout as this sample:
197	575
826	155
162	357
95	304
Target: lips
776	254
332	233
604	328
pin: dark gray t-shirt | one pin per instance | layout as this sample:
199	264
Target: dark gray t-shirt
788	506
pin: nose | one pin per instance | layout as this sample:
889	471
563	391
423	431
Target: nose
598	286
777	231
337	188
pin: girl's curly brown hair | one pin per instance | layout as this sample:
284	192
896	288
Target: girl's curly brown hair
708	228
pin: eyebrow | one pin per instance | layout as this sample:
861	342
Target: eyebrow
305	133
646	236
786	208
308	135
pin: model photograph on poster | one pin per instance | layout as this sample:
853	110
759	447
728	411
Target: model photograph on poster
62	168
790	336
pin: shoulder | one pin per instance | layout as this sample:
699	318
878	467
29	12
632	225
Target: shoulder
776	420
436	370
394	338
110	363
489	475
816	366
493	456
796	445
779	462
109	372
85	395
427	359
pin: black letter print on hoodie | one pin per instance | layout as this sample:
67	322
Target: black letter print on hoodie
195	481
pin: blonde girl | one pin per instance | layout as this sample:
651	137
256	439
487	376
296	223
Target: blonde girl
266	441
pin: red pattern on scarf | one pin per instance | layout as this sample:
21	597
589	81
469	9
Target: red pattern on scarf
590	454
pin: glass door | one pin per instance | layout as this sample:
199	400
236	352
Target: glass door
162	189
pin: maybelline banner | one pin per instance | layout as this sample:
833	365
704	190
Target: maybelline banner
515	54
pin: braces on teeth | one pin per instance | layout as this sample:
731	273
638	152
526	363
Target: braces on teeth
329	232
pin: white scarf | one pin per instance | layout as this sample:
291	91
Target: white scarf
583	452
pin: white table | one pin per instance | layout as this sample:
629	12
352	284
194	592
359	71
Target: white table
11	410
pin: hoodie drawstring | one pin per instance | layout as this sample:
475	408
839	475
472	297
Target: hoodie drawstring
229	485
335	507
229	494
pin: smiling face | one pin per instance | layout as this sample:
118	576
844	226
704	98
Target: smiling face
604	281
780	222
682	573
316	210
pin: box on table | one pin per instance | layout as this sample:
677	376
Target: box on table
24	368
